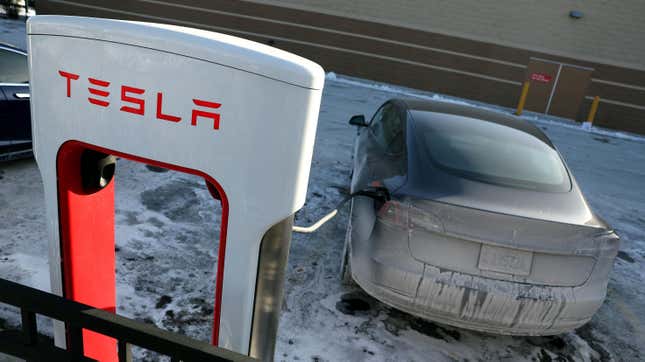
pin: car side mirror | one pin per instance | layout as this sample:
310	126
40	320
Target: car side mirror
358	120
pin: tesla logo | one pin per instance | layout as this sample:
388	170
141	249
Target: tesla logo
541	77
133	101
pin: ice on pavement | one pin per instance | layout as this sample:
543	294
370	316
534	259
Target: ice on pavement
166	249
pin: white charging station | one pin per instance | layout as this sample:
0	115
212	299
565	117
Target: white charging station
241	114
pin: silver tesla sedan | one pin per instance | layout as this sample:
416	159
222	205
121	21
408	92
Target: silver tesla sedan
478	224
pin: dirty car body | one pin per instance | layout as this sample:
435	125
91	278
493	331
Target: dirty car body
486	228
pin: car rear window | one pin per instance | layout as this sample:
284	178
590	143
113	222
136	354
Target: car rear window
489	152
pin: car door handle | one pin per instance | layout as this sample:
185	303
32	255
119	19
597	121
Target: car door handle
22	95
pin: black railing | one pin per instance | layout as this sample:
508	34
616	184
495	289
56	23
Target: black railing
29	345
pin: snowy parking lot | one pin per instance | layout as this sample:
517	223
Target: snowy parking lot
167	250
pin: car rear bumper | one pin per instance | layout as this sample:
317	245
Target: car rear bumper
502	311
386	270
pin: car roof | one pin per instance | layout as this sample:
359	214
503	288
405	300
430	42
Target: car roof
423	107
564	207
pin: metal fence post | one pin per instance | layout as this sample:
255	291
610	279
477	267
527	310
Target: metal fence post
593	109
525	92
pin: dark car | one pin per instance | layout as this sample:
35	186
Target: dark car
485	227
15	120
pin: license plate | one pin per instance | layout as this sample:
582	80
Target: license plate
505	260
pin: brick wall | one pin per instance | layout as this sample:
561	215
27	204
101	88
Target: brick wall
611	32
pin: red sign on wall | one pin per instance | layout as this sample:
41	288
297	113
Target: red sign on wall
541	77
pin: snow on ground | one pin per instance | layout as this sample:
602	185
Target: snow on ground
167	250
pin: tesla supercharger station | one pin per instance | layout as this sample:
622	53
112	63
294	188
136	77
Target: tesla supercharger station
240	114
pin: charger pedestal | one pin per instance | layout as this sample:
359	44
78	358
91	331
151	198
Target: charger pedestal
239	114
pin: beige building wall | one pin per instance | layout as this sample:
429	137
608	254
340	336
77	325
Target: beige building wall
610	31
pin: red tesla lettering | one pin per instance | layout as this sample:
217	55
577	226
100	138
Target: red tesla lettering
98	92
69	77
133	101
138	101
200	113
541	77
160	115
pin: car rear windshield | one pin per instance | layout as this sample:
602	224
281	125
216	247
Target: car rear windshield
489	152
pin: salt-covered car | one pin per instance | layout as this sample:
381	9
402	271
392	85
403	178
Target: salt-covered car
480	223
